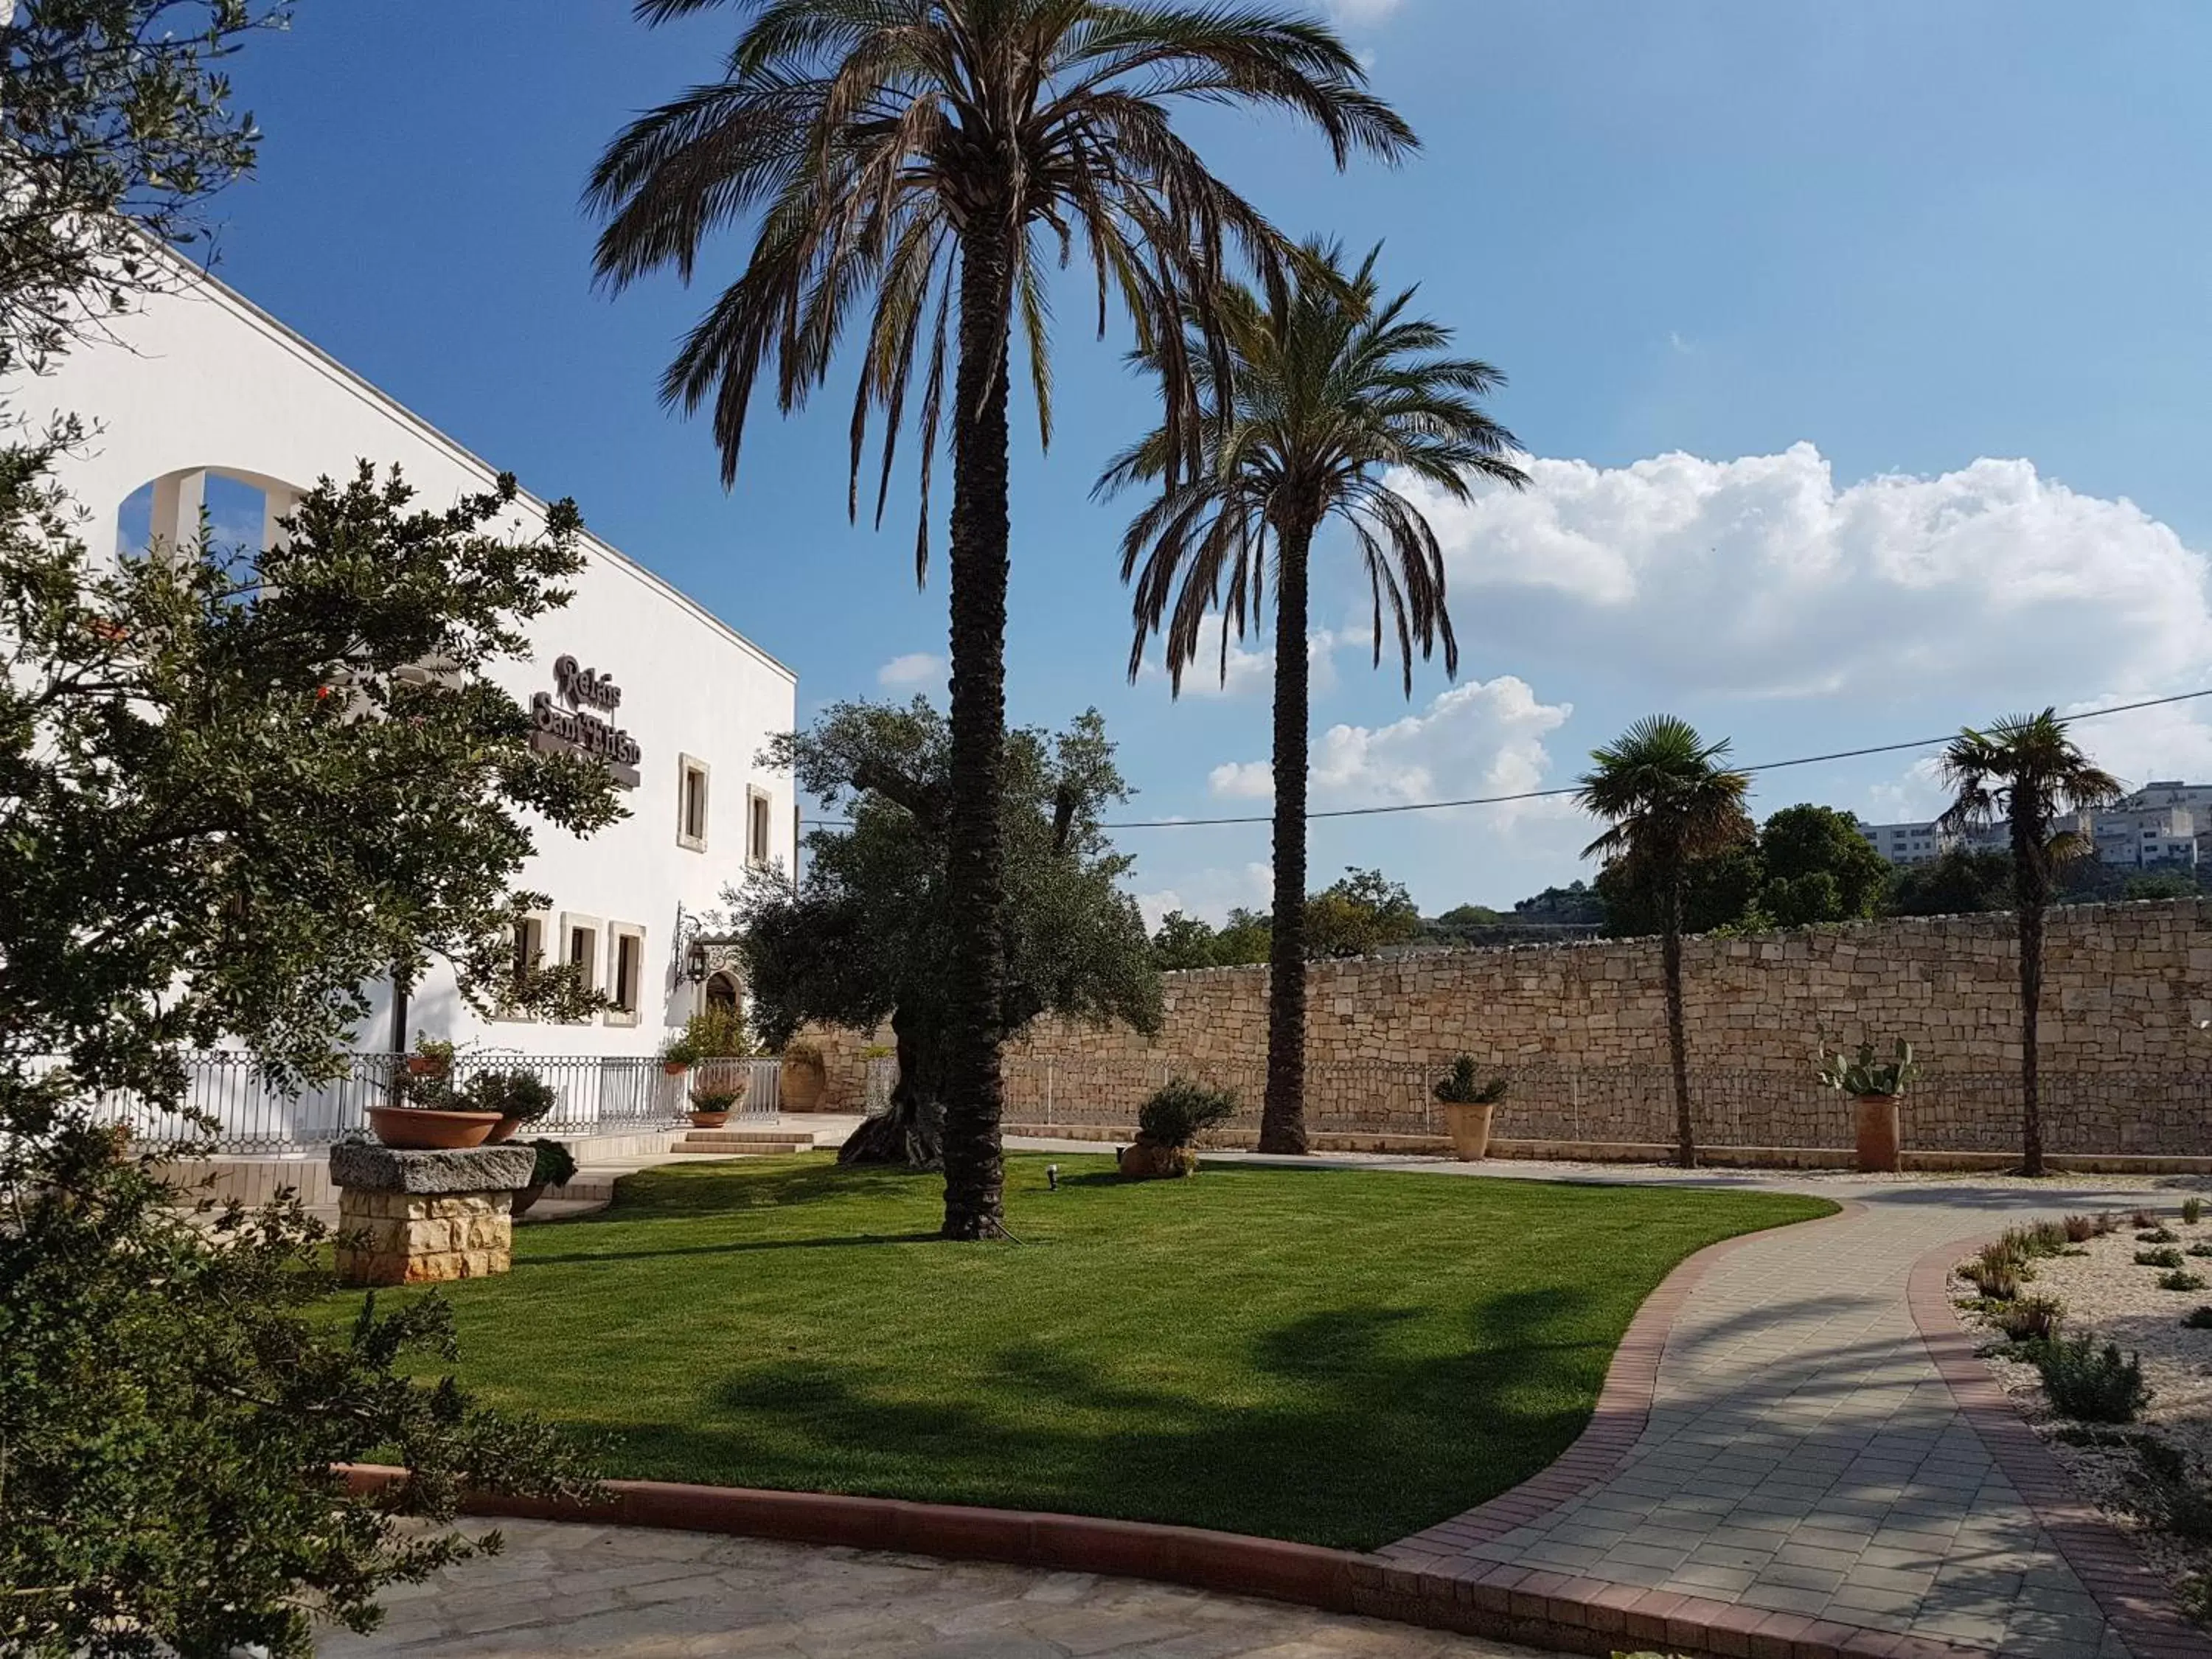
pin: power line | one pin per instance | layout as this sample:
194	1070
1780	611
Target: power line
1553	794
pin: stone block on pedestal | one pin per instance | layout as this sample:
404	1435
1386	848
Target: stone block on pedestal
417	1217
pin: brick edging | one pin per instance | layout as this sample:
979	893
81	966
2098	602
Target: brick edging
1623	1407
1480	1598
2134	1598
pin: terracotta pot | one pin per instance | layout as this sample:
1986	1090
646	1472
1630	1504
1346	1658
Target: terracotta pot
427	1066
525	1197
674	1067
411	1128
1146	1162
1470	1120
1877	1133
709	1120
503	1130
801	1085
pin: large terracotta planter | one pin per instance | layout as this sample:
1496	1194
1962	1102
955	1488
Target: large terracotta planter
708	1120
674	1067
801	1085
1146	1162
1877	1143
414	1129
525	1197
503	1130
1469	1122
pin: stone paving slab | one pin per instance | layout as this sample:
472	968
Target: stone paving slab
1802	1454
627	1592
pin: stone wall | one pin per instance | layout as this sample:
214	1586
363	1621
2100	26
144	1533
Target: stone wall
1581	1028
412	1238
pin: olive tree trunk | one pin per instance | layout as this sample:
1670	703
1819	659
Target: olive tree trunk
911	1134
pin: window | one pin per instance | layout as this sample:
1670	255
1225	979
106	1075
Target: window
580	947
691	804
625	972
529	954
756	820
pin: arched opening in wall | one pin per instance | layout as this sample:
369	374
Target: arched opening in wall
242	509
722	993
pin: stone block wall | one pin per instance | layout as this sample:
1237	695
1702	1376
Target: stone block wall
416	1238
1581	1028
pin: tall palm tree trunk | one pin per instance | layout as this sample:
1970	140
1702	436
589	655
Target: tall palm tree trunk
975	1168
1678	1037
1283	1119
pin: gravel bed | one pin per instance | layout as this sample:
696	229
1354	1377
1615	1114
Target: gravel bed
2105	1293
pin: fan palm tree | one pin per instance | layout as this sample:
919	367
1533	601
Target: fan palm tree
912	168
1670	801
1332	396
2025	771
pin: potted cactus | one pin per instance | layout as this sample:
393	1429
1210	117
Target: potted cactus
1874	1086
1468	1105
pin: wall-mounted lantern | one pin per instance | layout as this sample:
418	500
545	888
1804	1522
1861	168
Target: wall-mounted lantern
695	963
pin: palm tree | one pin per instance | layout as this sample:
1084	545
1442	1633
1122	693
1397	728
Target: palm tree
1671	801
1332	396
2025	771
921	163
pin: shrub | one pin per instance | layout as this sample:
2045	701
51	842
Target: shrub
2171	1496
2200	1250
2157	1236
2107	1223
2165	1256
1458	1086
2192	1211
2039	1238
711	1099
2090	1384
1997	1280
1182	1111
713	1034
2080	1229
2198	1319
2142	1219
556	1163
2181	1279
2030	1319
511	1094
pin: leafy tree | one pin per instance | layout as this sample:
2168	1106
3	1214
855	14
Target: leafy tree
1670	801
1471	916
2165	884
924	162
1960	881
1818	866
226	802
1326	397
2025	770
1363	913
1722	890
863	937
117	126
1577	904
1244	939
1183	941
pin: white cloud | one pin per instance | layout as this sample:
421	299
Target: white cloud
1210	893
1247	672
1987	588
1480	738
1361	14
912	672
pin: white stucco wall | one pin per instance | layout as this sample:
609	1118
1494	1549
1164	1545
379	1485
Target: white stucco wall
203	381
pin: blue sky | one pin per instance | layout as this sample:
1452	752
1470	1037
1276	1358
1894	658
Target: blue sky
1861	351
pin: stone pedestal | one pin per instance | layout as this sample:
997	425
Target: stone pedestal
408	1217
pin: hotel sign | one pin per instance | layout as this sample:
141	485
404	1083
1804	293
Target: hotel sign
563	719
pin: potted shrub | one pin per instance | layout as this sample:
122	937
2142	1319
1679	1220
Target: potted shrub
804	1078
1169	1123
1874	1086
426	1113
677	1053
1468	1105
519	1097
555	1164
712	1103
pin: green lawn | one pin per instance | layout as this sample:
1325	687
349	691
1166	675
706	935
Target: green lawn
1338	1357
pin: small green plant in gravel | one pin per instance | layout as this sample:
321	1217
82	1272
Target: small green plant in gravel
2142	1219
2030	1319
2200	1250
1997	1280
2038	1239
2198	1318
2092	1384
2158	1236
2181	1279
2192	1211
2165	1256
2080	1229
2107	1223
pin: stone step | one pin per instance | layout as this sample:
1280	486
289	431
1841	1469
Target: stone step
747	1149
748	1138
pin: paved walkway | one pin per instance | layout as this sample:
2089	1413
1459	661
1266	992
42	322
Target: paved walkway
627	1594
1802	1454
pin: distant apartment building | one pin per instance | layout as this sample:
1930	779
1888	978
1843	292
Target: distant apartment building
2162	826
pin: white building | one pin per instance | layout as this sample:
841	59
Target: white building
203	387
